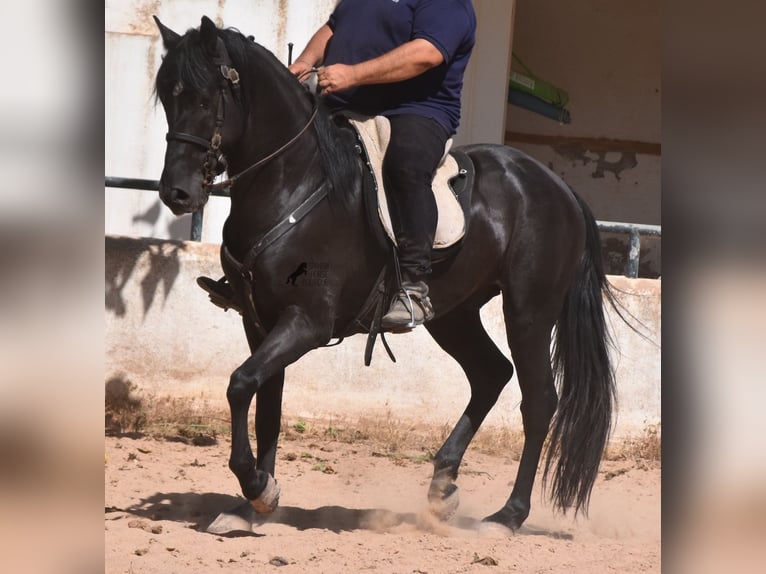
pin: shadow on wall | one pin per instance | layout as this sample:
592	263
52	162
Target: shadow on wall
123	408
162	268
148	223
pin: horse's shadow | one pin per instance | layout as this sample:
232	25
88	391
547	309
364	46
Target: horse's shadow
202	510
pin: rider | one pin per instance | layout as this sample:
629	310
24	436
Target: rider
404	60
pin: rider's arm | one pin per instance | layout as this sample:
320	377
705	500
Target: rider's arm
314	51
402	63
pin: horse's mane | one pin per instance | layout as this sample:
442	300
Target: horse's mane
338	158
190	63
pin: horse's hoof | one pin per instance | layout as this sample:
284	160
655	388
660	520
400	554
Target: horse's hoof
268	501
510	519
443	506
239	519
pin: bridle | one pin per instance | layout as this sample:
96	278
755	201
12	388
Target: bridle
215	162
233	179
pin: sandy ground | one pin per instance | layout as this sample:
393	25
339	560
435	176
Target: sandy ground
348	508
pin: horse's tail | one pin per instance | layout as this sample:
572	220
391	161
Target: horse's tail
584	375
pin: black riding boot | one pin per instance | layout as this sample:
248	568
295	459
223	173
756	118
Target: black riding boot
416	147
220	293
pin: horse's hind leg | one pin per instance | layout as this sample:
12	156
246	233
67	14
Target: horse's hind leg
530	344
462	335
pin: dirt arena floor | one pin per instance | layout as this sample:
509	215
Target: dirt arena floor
355	506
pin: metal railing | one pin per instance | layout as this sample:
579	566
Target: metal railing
633	230
154	185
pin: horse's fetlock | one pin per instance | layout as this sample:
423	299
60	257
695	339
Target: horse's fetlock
519	509
254	485
445	469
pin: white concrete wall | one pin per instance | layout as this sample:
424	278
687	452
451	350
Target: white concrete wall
165	337
606	54
485	85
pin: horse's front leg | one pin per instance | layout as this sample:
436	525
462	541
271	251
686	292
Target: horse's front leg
268	417
256	475
263	373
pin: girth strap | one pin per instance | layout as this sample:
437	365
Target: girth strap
284	226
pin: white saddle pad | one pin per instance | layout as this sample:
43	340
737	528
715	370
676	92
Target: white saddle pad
375	133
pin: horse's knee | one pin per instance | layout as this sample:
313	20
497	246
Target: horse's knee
241	388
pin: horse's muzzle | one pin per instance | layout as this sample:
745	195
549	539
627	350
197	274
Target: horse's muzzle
178	200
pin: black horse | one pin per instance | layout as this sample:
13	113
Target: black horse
296	196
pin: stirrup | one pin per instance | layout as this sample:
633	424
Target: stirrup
411	307
220	293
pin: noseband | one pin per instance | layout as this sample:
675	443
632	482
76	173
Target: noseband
215	161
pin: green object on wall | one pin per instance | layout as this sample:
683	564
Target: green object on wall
527	81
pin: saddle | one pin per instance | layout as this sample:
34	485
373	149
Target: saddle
452	185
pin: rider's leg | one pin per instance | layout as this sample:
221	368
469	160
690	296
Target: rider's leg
414	153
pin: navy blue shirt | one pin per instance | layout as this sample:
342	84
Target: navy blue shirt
366	29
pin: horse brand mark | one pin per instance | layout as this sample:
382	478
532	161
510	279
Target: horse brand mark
315	274
301	270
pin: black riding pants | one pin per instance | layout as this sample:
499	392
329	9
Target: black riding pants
416	147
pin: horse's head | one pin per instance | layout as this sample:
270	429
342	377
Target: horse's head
199	90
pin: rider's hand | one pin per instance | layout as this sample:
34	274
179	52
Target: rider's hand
300	69
335	78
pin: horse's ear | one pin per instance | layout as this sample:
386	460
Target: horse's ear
169	38
208	32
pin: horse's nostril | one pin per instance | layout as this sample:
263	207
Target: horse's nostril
180	195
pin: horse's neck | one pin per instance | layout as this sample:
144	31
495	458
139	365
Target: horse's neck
261	200
278	110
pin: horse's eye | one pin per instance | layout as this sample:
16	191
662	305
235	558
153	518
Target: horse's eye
178	88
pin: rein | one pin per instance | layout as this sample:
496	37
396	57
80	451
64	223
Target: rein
233	179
